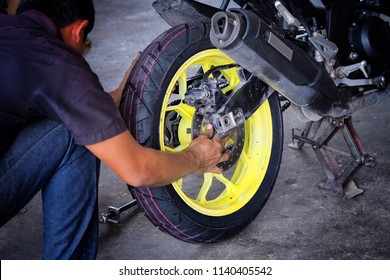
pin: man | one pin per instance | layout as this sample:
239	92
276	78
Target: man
56	120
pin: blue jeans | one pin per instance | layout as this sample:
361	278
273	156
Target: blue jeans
44	157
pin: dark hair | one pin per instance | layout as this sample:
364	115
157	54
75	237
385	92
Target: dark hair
3	6
62	12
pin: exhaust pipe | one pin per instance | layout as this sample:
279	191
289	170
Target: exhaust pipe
282	65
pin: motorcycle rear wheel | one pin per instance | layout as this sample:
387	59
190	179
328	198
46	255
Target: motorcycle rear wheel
208	207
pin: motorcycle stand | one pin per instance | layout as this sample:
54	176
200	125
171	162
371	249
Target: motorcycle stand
113	213
338	180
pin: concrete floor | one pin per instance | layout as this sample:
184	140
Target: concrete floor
300	220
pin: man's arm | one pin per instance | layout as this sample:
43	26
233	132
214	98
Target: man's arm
141	166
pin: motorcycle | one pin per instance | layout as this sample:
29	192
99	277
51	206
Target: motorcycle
239	68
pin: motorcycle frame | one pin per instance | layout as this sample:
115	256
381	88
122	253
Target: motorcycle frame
186	11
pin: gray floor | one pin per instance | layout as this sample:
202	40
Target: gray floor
300	220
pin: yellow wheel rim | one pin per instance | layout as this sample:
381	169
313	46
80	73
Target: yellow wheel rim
215	194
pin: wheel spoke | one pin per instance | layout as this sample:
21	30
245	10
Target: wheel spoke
206	66
244	160
233	80
179	183
205	188
242	165
182	85
228	184
184	128
228	193
184	110
176	149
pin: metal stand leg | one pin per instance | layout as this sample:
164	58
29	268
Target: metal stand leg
113	213
338	180
307	133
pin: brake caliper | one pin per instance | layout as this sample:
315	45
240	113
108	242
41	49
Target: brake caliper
208	99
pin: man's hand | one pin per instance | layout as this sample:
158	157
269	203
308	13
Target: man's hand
117	94
209	150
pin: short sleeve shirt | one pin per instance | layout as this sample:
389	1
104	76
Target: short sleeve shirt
41	76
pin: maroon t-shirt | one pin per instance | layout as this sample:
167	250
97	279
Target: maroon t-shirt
43	77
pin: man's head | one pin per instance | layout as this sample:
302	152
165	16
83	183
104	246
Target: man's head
74	18
3	6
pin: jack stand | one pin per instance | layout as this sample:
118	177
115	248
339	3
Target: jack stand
338	180
113	213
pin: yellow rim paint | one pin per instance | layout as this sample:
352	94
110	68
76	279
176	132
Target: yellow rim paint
218	194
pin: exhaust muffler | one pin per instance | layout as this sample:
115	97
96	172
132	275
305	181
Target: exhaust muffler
281	64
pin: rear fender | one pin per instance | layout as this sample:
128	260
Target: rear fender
176	12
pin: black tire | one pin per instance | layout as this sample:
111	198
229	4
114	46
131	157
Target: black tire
142	106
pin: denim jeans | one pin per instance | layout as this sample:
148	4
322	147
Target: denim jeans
44	157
